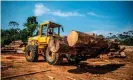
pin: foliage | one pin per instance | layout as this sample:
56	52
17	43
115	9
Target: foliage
101	36
13	24
31	25
125	38
14	33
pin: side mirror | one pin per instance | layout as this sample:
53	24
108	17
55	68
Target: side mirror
62	29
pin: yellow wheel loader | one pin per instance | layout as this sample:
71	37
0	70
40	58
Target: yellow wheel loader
38	43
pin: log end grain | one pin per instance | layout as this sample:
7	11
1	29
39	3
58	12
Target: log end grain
72	38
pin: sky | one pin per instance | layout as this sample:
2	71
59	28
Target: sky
85	16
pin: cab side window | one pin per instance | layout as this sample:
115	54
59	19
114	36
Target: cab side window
35	33
43	31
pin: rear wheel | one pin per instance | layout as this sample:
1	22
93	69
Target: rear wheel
53	58
75	62
31	53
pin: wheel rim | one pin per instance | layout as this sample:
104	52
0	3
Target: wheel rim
51	56
54	45
29	55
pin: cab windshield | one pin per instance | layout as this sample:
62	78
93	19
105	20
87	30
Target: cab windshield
51	31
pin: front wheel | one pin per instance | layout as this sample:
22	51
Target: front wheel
31	53
53	58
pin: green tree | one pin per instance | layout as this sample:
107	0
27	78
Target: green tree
125	38
23	35
31	25
101	36
14	30
13	24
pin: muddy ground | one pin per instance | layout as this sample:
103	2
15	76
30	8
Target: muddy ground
92	69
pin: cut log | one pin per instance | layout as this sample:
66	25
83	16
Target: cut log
77	38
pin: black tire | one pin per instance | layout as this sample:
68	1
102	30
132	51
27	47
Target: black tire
57	58
31	53
74	62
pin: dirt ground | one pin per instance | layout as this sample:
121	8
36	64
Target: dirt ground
92	69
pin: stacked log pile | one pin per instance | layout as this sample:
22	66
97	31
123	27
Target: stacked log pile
13	46
91	44
16	44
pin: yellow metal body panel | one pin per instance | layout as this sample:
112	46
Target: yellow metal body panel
41	41
23	48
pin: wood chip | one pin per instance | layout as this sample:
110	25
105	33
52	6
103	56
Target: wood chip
50	77
70	78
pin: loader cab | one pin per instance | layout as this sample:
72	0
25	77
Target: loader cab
49	29
45	31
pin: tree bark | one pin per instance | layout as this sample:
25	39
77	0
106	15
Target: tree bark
79	38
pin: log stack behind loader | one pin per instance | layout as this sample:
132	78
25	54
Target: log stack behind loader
91	44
